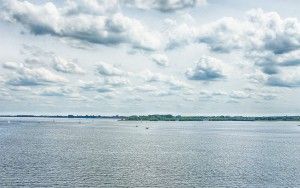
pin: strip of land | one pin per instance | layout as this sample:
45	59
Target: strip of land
211	118
170	117
67	116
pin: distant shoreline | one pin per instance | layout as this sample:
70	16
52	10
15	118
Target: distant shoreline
65	116
211	118
167	117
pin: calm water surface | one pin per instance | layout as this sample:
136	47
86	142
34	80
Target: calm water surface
105	153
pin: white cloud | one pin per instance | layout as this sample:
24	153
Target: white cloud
275	62
164	5
206	69
37	76
25	76
32	60
268	96
204	94
62	65
146	88
223	35
180	34
160	59
55	92
106	96
273	33
12	65
82	24
105	89
286	79
288	59
260	32
134	98
239	95
115	81
163	93
264	38
256	77
105	84
106	69
171	81
94	7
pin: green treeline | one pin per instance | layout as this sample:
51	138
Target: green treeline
210	118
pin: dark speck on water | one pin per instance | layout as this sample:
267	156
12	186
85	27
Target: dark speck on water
107	153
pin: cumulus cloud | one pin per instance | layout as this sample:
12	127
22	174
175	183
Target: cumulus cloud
55	92
239	95
25	76
62	65
104	89
12	65
267	96
35	51
160	59
83	23
106	96
146	88
223	35
265	38
105	84
66	92
38	57
96	7
257	77
204	94
288	78
207	69
271	63
270	41
284	80
163	93
171	81
95	86
106	69
133	99
180	33
98	87
115	81
164	5
270	69
280	35
260	31
33	77
288	59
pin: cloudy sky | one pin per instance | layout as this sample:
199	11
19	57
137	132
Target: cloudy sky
200	57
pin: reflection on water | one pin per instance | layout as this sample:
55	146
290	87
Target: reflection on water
105	153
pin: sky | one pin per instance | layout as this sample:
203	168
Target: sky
189	57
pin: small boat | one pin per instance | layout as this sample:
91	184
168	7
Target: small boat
147	127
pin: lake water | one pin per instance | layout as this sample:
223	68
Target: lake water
104	153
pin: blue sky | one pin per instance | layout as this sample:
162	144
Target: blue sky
142	57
